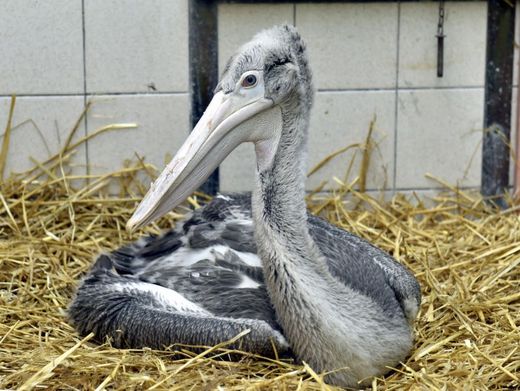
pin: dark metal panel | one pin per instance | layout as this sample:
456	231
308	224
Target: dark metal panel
497	99
203	59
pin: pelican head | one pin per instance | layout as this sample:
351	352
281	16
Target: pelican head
264	80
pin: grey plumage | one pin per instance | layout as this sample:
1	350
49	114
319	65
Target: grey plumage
123	309
329	297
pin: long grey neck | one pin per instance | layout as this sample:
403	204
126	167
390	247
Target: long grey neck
295	271
279	208
280	188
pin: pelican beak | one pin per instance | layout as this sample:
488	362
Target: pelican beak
212	139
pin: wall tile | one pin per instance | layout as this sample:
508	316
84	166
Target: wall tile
338	120
40	128
439	132
41	47
136	46
464	45
238	23
350	45
342	119
162	127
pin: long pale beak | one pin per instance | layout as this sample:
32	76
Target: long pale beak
208	144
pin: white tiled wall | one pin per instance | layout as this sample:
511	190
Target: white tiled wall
439	133
41	47
138	46
40	126
351	45
370	60
464	51
343	119
129	58
162	127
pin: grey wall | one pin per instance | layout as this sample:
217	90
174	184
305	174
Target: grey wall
131	58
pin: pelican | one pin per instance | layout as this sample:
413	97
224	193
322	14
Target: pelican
260	263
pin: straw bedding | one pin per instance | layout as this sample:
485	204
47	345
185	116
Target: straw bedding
465	254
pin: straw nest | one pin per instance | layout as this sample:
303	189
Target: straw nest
465	254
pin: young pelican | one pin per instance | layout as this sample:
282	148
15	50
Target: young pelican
264	263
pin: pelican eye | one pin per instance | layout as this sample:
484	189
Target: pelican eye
249	81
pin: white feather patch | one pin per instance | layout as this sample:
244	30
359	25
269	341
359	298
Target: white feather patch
167	297
188	256
250	259
248	283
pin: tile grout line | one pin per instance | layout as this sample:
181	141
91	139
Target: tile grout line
87	158
294	14
132	93
393	88
158	93
95	94
396	103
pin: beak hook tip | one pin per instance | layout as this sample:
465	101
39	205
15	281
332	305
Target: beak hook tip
131	225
